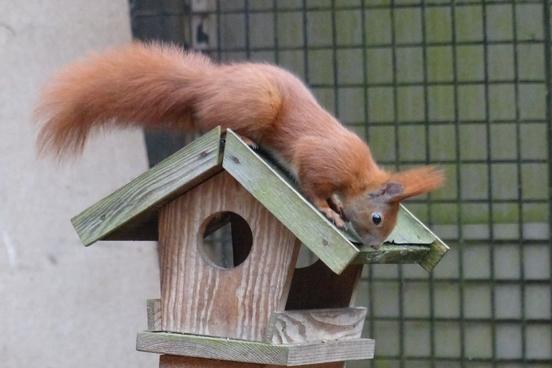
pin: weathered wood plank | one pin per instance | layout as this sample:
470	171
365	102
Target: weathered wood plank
140	199
254	352
199	297
409	242
287	204
407	230
438	250
330	351
315	325
154	314
174	361
414	230
211	348
393	254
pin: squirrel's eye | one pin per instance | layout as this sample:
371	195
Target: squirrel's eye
376	218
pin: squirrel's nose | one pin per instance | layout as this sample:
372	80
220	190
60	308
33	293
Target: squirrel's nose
372	241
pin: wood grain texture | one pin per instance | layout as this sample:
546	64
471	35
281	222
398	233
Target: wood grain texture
331	351
174	361
201	298
315	325
154	314
287	205
316	286
393	254
437	252
254	352
138	201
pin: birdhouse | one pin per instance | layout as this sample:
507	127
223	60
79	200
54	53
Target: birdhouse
250	304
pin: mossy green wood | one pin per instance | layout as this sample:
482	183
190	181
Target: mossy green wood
409	242
271	189
389	253
410	230
139	200
255	352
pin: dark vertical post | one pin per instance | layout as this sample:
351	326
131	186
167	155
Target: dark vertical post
334	62
402	357
219	36
459	199
162	21
305	42
365	64
490	180
246	25
548	74
519	188
428	159
275	21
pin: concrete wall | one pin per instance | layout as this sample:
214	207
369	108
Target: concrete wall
64	305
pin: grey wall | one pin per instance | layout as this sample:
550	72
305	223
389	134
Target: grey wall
64	305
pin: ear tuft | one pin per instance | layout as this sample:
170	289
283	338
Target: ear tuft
418	181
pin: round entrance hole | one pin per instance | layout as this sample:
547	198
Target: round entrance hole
226	239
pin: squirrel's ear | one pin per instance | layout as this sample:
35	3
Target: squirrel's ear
415	182
389	191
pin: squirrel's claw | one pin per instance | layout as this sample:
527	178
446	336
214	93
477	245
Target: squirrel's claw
334	217
336	205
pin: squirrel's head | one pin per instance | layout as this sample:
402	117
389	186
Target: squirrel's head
373	213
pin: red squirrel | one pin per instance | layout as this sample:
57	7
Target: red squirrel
162	86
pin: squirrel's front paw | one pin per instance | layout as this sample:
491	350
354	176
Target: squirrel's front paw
334	217
336	205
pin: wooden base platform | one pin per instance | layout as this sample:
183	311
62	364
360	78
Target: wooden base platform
173	361
254	352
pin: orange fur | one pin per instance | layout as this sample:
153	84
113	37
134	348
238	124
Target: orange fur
162	86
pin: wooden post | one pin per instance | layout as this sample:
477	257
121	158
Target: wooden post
172	361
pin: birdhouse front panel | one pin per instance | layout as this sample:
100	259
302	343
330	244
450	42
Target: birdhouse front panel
200	297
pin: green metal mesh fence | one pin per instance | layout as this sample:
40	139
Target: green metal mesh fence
462	84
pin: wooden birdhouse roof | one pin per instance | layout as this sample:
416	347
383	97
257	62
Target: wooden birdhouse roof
130	213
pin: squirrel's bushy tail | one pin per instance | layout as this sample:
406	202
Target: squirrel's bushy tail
142	84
